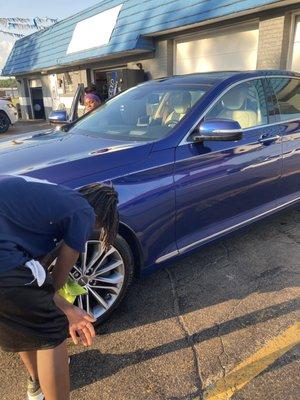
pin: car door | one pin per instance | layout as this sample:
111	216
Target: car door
77	101
287	98
220	185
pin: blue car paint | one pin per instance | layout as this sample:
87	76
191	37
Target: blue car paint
220	183
290	134
173	196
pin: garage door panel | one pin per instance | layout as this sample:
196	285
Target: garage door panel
234	50
297	33
296	48
245	60
296	57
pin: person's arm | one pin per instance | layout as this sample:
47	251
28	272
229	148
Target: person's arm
75	228
80	322
66	260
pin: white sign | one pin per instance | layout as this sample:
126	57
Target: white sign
94	31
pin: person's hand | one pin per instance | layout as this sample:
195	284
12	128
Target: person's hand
80	325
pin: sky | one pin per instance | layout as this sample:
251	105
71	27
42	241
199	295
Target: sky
36	8
53	9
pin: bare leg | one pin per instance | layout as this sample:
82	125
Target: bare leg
29	358
53	371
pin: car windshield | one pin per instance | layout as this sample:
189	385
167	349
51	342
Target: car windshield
146	112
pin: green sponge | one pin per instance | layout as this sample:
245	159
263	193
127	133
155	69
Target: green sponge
71	290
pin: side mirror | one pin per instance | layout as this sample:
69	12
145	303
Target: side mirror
218	129
59	117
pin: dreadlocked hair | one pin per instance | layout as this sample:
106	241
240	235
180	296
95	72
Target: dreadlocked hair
104	200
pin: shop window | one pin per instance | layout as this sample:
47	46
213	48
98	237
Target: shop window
68	81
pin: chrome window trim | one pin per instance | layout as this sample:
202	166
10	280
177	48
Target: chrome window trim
229	229
185	141
272	124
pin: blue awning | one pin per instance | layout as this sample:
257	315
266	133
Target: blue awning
136	24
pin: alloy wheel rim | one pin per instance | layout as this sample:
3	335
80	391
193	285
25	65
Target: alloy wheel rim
102	274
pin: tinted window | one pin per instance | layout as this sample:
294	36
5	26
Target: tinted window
146	112
244	103
287	92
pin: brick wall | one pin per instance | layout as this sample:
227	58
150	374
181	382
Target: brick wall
273	42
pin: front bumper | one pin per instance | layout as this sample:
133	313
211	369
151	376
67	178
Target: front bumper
12	114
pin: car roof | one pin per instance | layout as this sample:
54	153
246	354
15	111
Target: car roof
217	77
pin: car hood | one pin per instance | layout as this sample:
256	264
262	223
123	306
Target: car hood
62	156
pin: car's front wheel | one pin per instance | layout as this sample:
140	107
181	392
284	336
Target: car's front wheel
105	275
4	122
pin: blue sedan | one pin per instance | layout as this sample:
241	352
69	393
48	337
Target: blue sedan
193	158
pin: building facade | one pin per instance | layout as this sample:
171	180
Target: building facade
9	92
119	43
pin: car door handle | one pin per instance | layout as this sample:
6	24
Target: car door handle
268	139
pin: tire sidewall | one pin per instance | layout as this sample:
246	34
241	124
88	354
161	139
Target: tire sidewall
4	115
127	257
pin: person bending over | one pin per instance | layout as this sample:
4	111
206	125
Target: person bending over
36	216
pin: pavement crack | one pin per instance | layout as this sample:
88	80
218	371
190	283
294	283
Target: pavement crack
187	334
233	309
219	334
222	353
225	247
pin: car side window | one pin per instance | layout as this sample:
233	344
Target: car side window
287	92
244	103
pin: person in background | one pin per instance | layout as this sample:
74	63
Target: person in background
92	89
91	101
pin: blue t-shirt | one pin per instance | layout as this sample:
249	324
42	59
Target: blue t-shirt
36	215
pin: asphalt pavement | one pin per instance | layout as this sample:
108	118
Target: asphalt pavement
220	324
21	127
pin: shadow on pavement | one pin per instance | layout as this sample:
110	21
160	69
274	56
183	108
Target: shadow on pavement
233	269
286	359
258	261
95	364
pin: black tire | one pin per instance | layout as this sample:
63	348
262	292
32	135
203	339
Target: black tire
123	248
4	122
127	257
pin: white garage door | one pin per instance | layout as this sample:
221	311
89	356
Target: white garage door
296	48
228	50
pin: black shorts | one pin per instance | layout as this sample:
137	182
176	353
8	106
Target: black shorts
29	318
